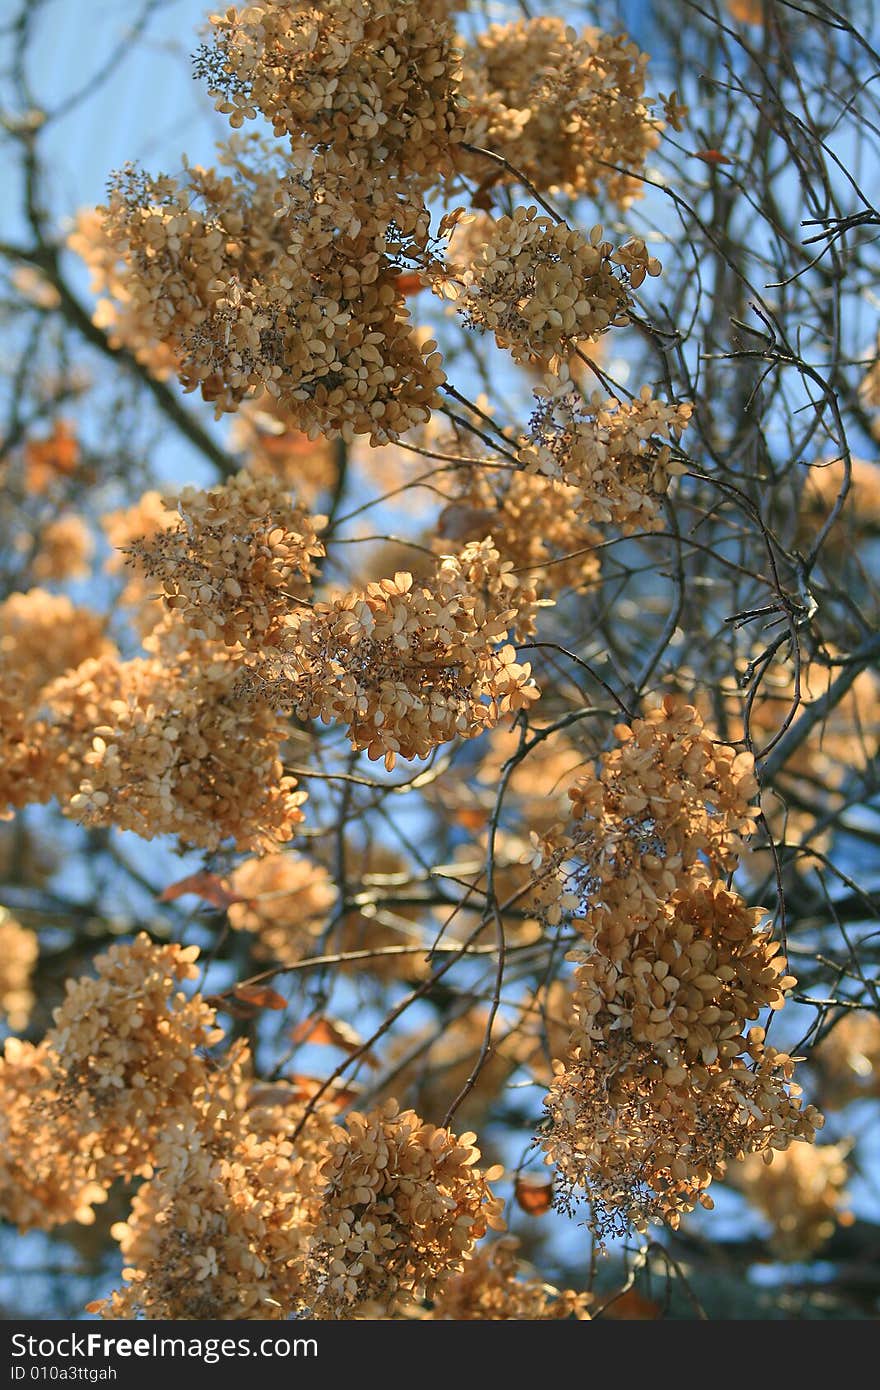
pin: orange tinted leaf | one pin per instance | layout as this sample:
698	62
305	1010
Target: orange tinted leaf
712	157
204	885
272	1095
326	1030
409	283
46	459
633	1307
231	1006
337	1096
260	997
330	1032
536	1198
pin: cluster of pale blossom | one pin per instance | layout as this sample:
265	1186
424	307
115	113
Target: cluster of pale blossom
371	86
801	1192
615	455
407	666
166	746
537	524
282	272
539	286
42	636
64	550
847	1060
661	1087
244	1212
222	1227
403	1206
82	1108
236	561
497	1285
18	956
284	900
562	108
290	292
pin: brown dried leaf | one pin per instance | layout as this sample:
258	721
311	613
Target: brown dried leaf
633	1307
260	997
330	1032
535	1198
337	1096
204	885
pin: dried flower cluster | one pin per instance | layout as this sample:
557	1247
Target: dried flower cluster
298	298
560	106
64	551
84	1107
495	1285
18	956
137	523
287	901
685	984
801	1192
47	1170
127	1044
615	455
236	562
848	1060
42	635
371	84
274	447
642	1150
540	287
536	523
118	312
665	798
657	1093
407	667
402	1206
222	1228
168	747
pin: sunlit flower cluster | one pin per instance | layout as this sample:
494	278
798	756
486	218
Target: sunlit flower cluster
287	901
539	286
42	635
537	523
644	1150
19	949
615	455
85	1106
663	798
237	560
64	551
297	297
847	1060
403	1204
407	667
168	747
47	1169
801	1192
496	1285
128	1046
563	108
372	83
221	1229
673	965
